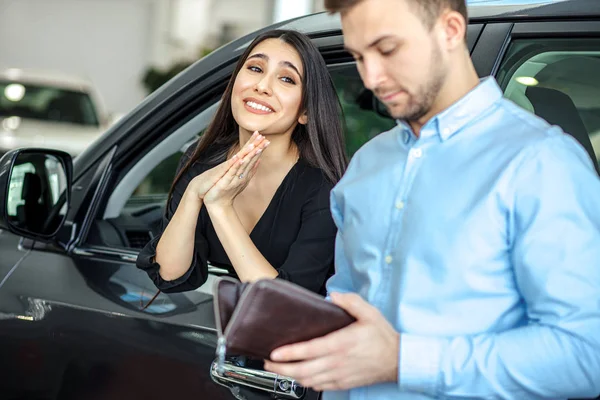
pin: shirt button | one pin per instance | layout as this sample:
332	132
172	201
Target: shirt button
388	259
400	205
416	153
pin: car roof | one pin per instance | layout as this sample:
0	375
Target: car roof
323	25
49	78
483	11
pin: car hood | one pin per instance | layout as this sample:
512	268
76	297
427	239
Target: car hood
71	138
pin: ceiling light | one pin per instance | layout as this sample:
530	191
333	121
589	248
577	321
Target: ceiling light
14	92
527	81
11	123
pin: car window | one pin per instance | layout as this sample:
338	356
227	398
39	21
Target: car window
156	185
558	80
15	190
46	103
361	124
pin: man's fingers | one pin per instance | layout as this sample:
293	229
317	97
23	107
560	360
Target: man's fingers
315	348
303	370
354	305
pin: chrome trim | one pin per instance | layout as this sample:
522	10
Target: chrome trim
280	386
121	255
124	255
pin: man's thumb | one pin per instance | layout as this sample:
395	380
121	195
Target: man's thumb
354	305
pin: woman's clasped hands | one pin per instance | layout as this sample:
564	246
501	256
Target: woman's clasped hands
221	184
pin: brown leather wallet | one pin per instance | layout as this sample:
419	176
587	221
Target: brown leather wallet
253	319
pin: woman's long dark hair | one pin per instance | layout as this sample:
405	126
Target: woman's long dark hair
320	141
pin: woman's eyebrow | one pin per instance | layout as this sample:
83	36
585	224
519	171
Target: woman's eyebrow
292	66
265	57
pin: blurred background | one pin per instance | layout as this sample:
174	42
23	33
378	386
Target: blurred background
69	69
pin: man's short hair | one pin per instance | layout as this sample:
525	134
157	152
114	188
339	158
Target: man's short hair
429	10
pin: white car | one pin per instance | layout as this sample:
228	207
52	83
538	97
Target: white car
49	110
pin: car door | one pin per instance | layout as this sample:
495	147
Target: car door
71	318
550	69
74	317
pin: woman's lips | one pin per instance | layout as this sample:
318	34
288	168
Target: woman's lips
257	106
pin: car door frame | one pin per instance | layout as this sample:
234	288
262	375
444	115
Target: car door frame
496	38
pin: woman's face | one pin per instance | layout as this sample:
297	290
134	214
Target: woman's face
267	92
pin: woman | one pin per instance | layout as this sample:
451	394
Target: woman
253	196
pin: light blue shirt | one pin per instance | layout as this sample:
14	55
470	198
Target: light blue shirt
480	243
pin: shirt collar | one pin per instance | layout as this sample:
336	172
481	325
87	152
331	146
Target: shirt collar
465	110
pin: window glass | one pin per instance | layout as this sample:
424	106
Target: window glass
362	122
559	80
46	103
15	190
147	201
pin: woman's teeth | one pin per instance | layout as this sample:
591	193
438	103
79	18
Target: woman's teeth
257	106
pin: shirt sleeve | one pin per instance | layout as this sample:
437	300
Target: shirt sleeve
341	281
310	259
197	274
555	252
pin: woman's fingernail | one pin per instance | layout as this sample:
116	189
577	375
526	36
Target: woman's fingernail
258	151
250	146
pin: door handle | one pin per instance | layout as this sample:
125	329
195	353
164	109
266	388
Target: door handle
280	386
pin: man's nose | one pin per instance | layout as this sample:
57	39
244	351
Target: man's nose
373	74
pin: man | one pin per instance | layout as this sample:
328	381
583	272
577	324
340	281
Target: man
469	235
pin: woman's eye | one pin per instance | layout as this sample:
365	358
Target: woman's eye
254	68
287	79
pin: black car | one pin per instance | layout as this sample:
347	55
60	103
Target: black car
73	317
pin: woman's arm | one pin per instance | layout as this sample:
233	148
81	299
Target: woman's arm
310	257
248	262
176	260
175	249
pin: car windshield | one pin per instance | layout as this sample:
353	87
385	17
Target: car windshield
46	103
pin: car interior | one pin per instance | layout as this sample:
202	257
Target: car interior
564	91
566	96
135	207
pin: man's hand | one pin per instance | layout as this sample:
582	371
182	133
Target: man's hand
361	354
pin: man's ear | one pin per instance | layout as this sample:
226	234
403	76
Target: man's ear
454	28
303	119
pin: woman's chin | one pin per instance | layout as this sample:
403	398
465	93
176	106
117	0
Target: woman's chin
251	128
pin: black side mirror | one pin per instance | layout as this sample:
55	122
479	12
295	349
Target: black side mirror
35	192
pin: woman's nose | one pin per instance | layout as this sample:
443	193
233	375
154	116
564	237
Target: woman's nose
263	86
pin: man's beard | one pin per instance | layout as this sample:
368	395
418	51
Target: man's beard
420	103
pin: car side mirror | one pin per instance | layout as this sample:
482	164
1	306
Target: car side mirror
35	192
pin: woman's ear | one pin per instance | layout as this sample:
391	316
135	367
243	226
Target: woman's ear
303	119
